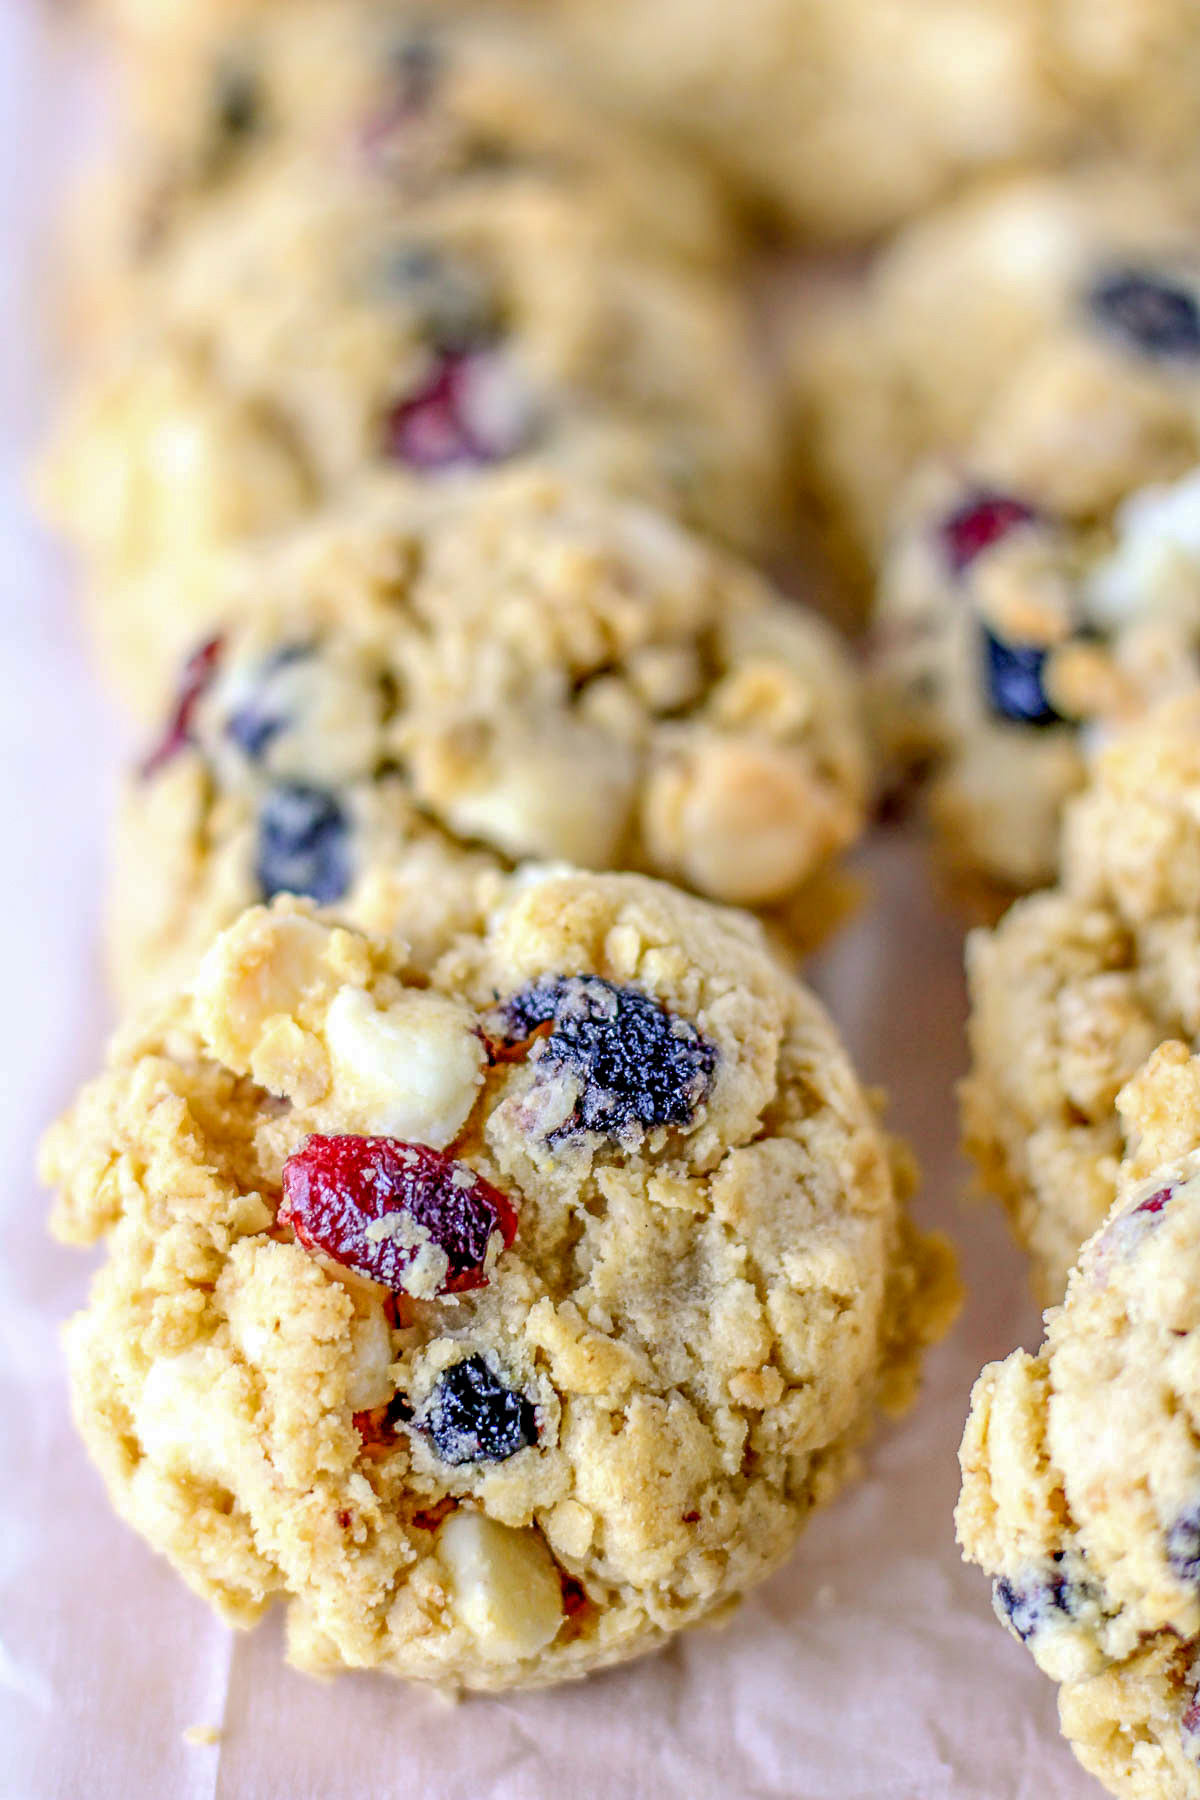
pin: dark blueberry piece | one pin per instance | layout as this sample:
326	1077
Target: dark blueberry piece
981	521
255	726
1183	1547
1031	1605
414	65
638	1065
194	682
1155	315
472	1417
456	311
237	101
1014	682
303	844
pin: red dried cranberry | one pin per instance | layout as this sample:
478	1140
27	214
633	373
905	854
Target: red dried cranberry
197	676
337	1188
1155	1203
980	522
440	426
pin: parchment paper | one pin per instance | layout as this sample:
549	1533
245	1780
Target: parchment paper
869	1669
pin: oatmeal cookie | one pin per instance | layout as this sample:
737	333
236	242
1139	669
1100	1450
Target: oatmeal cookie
501	1314
415	104
1025	325
311	330
1081	1474
532	668
1077	985
1008	636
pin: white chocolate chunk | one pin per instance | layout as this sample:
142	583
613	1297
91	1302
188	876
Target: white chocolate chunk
178	1422
504	1584
370	1383
410	1072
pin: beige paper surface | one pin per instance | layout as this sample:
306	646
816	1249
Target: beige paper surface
870	1669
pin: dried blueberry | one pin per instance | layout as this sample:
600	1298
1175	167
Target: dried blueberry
454	307
1156	316
472	1417
194	682
1183	1547
637	1064
981	521
1014	682
1030	1606
303	844
237	101
254	726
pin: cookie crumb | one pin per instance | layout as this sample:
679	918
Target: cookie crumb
199	1737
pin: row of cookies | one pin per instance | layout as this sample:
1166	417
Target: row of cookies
1003	422
835	119
502	1258
1081	1472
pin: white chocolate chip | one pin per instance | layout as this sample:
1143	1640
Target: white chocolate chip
370	1383
177	1420
409	1072
504	1584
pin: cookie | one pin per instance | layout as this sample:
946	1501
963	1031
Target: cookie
1077	985
844	117
416	105
1006	327
1008	636
501	1315
530	668
313	331
1081	1475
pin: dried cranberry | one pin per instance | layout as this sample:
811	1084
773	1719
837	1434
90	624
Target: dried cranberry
303	844
359	1198
981	521
473	1417
197	676
1189	1721
1155	1203
444	424
637	1064
1014	682
1155	316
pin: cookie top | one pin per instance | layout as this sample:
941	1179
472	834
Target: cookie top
840	118
502	1314
1076	987
1002	627
1046	326
1081	1474
311	331
537	669
414	105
